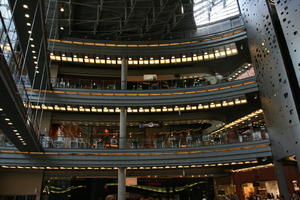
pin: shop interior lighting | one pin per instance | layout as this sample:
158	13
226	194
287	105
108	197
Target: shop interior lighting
216	54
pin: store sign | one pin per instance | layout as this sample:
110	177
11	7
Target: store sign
149	125
131	181
150	77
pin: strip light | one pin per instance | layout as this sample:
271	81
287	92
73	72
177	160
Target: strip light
134	168
204	106
216	53
238	121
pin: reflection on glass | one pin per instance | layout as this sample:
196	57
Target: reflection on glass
208	11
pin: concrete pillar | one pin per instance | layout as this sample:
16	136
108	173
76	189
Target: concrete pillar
123	112
283	189
124	69
122	135
122	183
123	128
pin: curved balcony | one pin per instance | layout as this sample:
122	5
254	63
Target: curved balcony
220	33
217	155
186	96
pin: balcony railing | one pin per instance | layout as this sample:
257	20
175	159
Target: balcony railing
112	142
140	85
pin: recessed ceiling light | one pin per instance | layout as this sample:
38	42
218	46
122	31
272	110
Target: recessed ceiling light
37	72
1	109
63	55
25	6
17	133
29	32
31	39
36	67
24	144
32	45
35	62
19	137
33	51
7	119
15	130
62	28
61	9
27	15
9	123
28	24
75	56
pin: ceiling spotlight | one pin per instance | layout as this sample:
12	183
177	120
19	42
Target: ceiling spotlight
63	55
27	15
28	24
35	62
9	123
15	130
31	39
32	45
61	9
1	109
17	134
75	56
37	72
29	32
7	119
34	57
25	6
19	137
62	28
33	51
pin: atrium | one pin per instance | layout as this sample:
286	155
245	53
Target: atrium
149	99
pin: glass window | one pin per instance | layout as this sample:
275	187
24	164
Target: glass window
208	11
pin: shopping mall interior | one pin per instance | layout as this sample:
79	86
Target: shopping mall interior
149	99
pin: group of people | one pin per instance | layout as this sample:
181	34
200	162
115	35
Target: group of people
162	84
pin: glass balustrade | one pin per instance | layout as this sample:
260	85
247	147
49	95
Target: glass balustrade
157	141
97	84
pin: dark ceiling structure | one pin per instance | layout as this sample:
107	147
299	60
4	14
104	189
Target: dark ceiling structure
125	20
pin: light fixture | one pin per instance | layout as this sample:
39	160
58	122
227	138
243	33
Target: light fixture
1	109
61	28
32	45
33	51
9	123
7	119
27	15
25	6
37	72
61	9
29	32
31	39
28	24
15	130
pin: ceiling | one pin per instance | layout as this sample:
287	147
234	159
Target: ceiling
120	19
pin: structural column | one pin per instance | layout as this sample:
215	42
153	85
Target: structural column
273	50
282	185
122	135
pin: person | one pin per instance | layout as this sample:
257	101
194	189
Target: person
219	77
269	197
